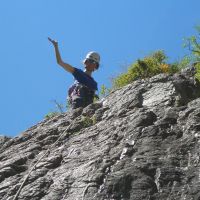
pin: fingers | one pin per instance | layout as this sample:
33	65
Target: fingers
49	39
53	41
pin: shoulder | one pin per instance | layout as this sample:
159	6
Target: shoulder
85	79
80	73
77	70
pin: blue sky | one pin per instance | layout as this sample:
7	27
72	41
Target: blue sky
120	30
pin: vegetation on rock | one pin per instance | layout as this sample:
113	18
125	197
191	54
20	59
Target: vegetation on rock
156	63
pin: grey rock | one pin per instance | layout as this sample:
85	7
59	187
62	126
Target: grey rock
140	142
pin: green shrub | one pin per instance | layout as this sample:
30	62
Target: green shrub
51	114
104	91
197	75
87	121
58	110
181	64
149	66
193	44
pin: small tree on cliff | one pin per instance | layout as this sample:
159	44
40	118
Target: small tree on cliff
193	44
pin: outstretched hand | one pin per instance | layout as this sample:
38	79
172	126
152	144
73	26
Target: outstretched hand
66	66
54	42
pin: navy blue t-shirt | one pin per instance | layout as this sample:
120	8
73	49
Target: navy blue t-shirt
81	77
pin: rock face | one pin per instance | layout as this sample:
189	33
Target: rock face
141	143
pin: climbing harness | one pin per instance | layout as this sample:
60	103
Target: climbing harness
80	95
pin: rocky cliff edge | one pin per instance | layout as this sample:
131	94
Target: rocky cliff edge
141	142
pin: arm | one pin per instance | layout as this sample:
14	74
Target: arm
66	66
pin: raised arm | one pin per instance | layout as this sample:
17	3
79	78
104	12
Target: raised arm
66	66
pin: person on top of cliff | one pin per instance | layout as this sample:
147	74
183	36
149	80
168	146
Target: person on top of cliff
82	92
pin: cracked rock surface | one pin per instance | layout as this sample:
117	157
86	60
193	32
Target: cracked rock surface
140	143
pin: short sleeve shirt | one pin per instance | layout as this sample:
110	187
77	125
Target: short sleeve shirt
81	77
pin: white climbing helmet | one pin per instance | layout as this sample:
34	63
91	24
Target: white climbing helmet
93	56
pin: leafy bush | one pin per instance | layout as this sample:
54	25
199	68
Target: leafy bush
87	121
181	64
193	44
59	109
104	91
197	75
51	114
149	66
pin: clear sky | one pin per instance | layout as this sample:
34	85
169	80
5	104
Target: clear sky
120	30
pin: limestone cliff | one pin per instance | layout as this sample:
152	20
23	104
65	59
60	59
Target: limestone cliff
141	143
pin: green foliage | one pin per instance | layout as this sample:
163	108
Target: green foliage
59	109
51	114
193	44
96	98
197	71
104	91
68	105
181	64
149	66
94	120
87	121
185	61
59	106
